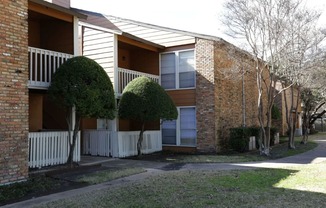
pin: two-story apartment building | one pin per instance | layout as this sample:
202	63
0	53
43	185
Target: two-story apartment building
211	82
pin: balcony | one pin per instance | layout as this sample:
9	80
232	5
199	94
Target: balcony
125	76
42	66
44	63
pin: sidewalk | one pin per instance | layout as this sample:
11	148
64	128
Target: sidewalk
316	155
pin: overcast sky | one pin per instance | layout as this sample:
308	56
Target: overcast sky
201	16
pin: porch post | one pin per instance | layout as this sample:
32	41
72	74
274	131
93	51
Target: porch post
76	35
115	65
115	123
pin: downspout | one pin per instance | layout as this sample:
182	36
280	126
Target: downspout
243	100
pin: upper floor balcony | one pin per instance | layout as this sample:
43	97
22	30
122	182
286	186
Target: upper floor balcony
126	75
44	63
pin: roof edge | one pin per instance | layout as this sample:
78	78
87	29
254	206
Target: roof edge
59	8
183	32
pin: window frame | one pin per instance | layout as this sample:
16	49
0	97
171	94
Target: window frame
178	129
177	70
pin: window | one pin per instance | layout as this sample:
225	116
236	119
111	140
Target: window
181	132
178	70
187	126
169	132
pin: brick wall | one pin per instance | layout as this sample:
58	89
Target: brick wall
235	91
220	102
205	100
13	91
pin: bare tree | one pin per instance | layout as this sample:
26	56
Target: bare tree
313	100
313	97
269	28
300	56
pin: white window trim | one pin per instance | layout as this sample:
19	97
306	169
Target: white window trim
177	84
178	125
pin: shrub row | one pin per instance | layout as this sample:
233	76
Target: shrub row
239	137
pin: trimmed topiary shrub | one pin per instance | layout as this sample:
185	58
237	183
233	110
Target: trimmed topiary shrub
145	100
82	84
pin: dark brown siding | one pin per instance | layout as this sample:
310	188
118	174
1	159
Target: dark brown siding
132	125
57	36
88	123
183	97
179	149
35	112
145	61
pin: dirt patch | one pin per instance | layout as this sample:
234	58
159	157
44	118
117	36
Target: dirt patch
45	183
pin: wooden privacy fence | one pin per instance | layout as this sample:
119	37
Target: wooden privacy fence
50	148
96	142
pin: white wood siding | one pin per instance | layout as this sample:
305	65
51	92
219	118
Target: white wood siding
99	46
152	33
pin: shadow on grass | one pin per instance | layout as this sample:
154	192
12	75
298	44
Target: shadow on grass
278	151
246	188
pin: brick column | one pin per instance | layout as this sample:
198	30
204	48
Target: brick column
205	101
13	91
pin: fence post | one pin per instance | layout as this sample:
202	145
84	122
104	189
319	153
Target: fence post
252	143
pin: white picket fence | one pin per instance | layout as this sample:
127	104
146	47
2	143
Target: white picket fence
96	142
119	144
50	148
124	144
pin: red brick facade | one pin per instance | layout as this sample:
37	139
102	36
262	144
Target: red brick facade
13	91
205	99
223	99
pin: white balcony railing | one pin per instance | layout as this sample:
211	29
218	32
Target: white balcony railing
44	63
42	66
125	76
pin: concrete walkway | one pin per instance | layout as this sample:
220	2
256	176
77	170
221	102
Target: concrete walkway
316	155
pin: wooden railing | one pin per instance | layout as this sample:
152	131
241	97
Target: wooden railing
50	148
96	142
125	143
42	66
125	76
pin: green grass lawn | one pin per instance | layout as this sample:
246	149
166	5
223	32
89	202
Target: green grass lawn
108	175
40	185
302	186
277	151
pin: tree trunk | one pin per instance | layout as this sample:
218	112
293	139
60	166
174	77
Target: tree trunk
291	130
305	127
268	132
305	123
291	138
140	139
73	143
